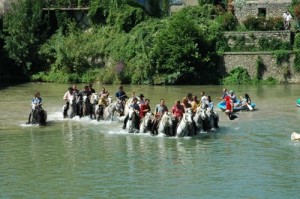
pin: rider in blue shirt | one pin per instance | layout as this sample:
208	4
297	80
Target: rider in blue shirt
121	95
36	103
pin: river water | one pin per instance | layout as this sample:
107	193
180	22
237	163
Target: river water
249	157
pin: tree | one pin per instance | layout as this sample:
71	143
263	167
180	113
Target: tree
22	33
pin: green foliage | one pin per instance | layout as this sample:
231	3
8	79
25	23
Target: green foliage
22	33
282	56
181	48
260	68
263	24
270	44
123	14
297	42
237	76
228	21
297	61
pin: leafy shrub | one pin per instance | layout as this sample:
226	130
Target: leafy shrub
260	68
282	56
297	42
263	24
228	21
297	61
238	75
270	44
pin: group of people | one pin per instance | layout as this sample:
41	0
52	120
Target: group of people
142	106
190	101
232	101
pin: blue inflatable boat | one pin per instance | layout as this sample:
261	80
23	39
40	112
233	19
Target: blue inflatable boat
222	106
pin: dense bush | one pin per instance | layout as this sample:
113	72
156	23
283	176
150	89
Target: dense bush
297	42
263	23
238	75
282	56
228	21
270	44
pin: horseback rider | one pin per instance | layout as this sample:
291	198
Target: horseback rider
67	97
195	104
135	107
36	104
121	96
104	95
160	109
177	111
141	100
85	92
91	88
144	108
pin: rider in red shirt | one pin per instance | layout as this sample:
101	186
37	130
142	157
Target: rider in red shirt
177	110
144	108
228	110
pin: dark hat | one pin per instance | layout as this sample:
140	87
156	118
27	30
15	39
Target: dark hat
189	95
141	95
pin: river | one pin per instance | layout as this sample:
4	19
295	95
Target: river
249	157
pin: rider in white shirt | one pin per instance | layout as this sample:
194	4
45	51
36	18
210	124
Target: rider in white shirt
69	95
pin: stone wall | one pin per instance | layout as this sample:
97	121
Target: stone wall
252	37
274	8
248	60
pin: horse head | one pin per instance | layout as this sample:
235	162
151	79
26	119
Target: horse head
119	107
134	122
199	118
94	98
166	119
188	115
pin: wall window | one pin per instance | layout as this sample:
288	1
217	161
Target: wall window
262	12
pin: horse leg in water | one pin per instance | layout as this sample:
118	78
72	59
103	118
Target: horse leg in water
66	107
29	117
154	129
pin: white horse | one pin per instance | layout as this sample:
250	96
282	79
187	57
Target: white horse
165	125
133	121
71	112
185	126
146	122
94	98
213	119
199	119
295	136
109	111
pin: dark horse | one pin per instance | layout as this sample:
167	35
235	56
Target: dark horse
99	112
39	116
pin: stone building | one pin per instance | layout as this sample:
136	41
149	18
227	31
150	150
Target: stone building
267	8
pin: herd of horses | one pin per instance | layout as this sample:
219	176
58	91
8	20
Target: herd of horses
191	124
